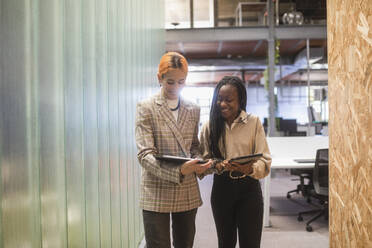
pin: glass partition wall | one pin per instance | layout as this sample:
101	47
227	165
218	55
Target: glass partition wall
71	74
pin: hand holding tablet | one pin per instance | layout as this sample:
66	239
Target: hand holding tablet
176	159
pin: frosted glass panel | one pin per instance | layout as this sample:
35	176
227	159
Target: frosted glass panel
71	74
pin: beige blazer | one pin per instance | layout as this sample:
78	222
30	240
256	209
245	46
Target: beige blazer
163	189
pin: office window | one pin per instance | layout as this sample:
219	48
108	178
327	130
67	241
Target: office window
241	13
203	13
177	14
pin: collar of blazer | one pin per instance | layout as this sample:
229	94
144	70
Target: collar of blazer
175	126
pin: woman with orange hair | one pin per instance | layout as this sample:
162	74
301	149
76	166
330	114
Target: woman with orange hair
168	124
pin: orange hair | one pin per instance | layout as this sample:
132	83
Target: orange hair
172	60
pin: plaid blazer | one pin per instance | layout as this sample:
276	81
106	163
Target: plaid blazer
163	188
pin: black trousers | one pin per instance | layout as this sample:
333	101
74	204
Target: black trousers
237	209
157	229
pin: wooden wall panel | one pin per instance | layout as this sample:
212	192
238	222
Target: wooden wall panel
350	104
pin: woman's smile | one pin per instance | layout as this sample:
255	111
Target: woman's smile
228	102
225	112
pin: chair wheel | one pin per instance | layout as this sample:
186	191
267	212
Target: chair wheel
288	196
308	200
299	218
309	228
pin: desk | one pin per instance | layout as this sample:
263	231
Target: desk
283	151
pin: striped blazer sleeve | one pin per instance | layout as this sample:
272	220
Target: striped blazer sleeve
195	145
146	147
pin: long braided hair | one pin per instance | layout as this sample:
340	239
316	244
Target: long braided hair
216	121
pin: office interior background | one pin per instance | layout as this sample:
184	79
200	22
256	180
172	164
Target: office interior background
72	72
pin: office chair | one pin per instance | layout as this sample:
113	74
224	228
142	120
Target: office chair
302	187
288	126
320	192
314	121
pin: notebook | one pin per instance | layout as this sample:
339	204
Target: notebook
176	159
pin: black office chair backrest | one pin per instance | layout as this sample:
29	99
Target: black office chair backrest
310	114
320	176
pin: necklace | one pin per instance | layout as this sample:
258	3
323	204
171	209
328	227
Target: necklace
177	107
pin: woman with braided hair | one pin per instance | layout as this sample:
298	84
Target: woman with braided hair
236	197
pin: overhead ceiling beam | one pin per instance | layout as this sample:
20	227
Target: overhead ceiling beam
215	34
256	47
245	33
301	32
298	44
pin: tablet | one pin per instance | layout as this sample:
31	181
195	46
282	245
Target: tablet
246	159
176	159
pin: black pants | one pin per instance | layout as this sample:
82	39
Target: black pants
237	208
157	229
